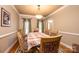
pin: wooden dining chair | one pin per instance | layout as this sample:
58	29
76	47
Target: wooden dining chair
46	32
50	44
22	42
54	32
36	30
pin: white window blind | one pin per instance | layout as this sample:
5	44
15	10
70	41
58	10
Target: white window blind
40	26
26	27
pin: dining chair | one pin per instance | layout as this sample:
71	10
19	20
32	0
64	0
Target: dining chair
54	32
22	42
50	44
47	32
36	30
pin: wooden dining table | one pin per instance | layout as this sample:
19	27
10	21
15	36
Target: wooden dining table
34	39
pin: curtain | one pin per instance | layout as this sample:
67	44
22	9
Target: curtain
24	21
24	25
29	25
37	23
41	25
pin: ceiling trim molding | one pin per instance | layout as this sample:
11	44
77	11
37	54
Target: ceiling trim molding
59	9
15	9
26	15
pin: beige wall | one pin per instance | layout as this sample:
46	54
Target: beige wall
21	23
7	41
33	24
33	21
67	20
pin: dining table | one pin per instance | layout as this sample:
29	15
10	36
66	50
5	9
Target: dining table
34	39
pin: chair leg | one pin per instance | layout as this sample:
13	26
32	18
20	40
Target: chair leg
33	50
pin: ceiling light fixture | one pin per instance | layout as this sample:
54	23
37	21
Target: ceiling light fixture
38	16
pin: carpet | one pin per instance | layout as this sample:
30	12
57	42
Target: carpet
34	50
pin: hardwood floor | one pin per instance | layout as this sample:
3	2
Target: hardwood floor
62	47
14	48
65	49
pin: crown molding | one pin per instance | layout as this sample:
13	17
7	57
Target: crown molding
59	9
15	9
28	16
25	15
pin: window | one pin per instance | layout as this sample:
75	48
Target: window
40	26
26	27
50	23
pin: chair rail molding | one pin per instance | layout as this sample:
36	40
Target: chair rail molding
4	35
76	34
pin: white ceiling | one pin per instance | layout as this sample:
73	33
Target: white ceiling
33	9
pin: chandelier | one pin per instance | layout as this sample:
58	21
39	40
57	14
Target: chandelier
38	16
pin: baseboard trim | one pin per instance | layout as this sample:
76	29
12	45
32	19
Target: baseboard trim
66	45
4	35
7	50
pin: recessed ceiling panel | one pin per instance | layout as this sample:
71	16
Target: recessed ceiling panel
33	9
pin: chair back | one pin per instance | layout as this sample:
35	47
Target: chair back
47	32
54	32
36	30
22	42
50	44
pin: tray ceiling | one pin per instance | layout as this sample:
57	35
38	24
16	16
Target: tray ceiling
33	9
